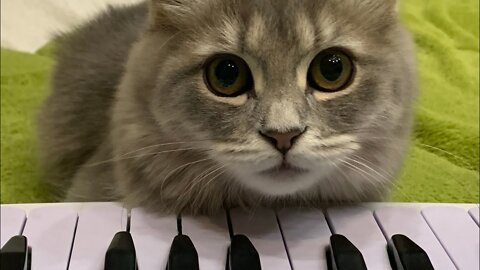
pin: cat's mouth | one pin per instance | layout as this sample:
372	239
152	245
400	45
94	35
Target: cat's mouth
284	169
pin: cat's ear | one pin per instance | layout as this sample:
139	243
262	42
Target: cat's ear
172	14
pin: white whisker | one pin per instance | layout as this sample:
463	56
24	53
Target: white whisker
462	159
373	164
160	145
183	166
368	167
356	168
143	155
179	168
211	181
383	177
200	178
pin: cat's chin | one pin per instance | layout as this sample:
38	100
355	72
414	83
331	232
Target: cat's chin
283	181
284	171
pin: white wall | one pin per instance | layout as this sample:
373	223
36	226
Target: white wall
27	25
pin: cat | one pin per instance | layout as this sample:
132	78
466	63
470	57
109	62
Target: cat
194	106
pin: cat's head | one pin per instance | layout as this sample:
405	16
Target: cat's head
284	94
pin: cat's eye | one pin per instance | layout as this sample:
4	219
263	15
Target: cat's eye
228	76
330	71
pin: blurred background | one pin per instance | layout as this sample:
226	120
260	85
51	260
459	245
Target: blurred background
29	24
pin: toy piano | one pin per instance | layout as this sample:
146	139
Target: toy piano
95	236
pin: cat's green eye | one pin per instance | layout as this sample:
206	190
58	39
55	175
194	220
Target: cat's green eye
330	71
228	76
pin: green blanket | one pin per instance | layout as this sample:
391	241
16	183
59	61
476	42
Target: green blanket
443	162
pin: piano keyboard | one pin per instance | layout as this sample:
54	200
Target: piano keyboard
94	236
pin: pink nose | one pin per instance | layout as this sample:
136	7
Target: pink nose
283	141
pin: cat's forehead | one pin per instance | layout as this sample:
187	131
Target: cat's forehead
285	33
292	28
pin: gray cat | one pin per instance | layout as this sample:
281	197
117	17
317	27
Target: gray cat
197	105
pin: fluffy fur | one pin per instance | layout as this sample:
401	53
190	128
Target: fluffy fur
130	117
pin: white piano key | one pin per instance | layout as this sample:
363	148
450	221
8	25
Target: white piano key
306	236
12	221
409	221
475	213
96	227
50	232
359	226
211	239
458	234
262	229
152	235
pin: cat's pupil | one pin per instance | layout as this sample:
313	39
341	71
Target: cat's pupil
331	67
227	72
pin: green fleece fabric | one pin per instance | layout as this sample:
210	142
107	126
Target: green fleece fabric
443	163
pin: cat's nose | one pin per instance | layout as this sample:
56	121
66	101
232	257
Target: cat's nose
283	141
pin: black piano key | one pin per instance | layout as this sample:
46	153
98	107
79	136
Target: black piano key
404	254
183	255
121	253
29	259
15	254
343	255
242	254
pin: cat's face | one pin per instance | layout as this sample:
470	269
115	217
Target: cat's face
283	93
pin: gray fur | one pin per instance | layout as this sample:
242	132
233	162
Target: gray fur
130	119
